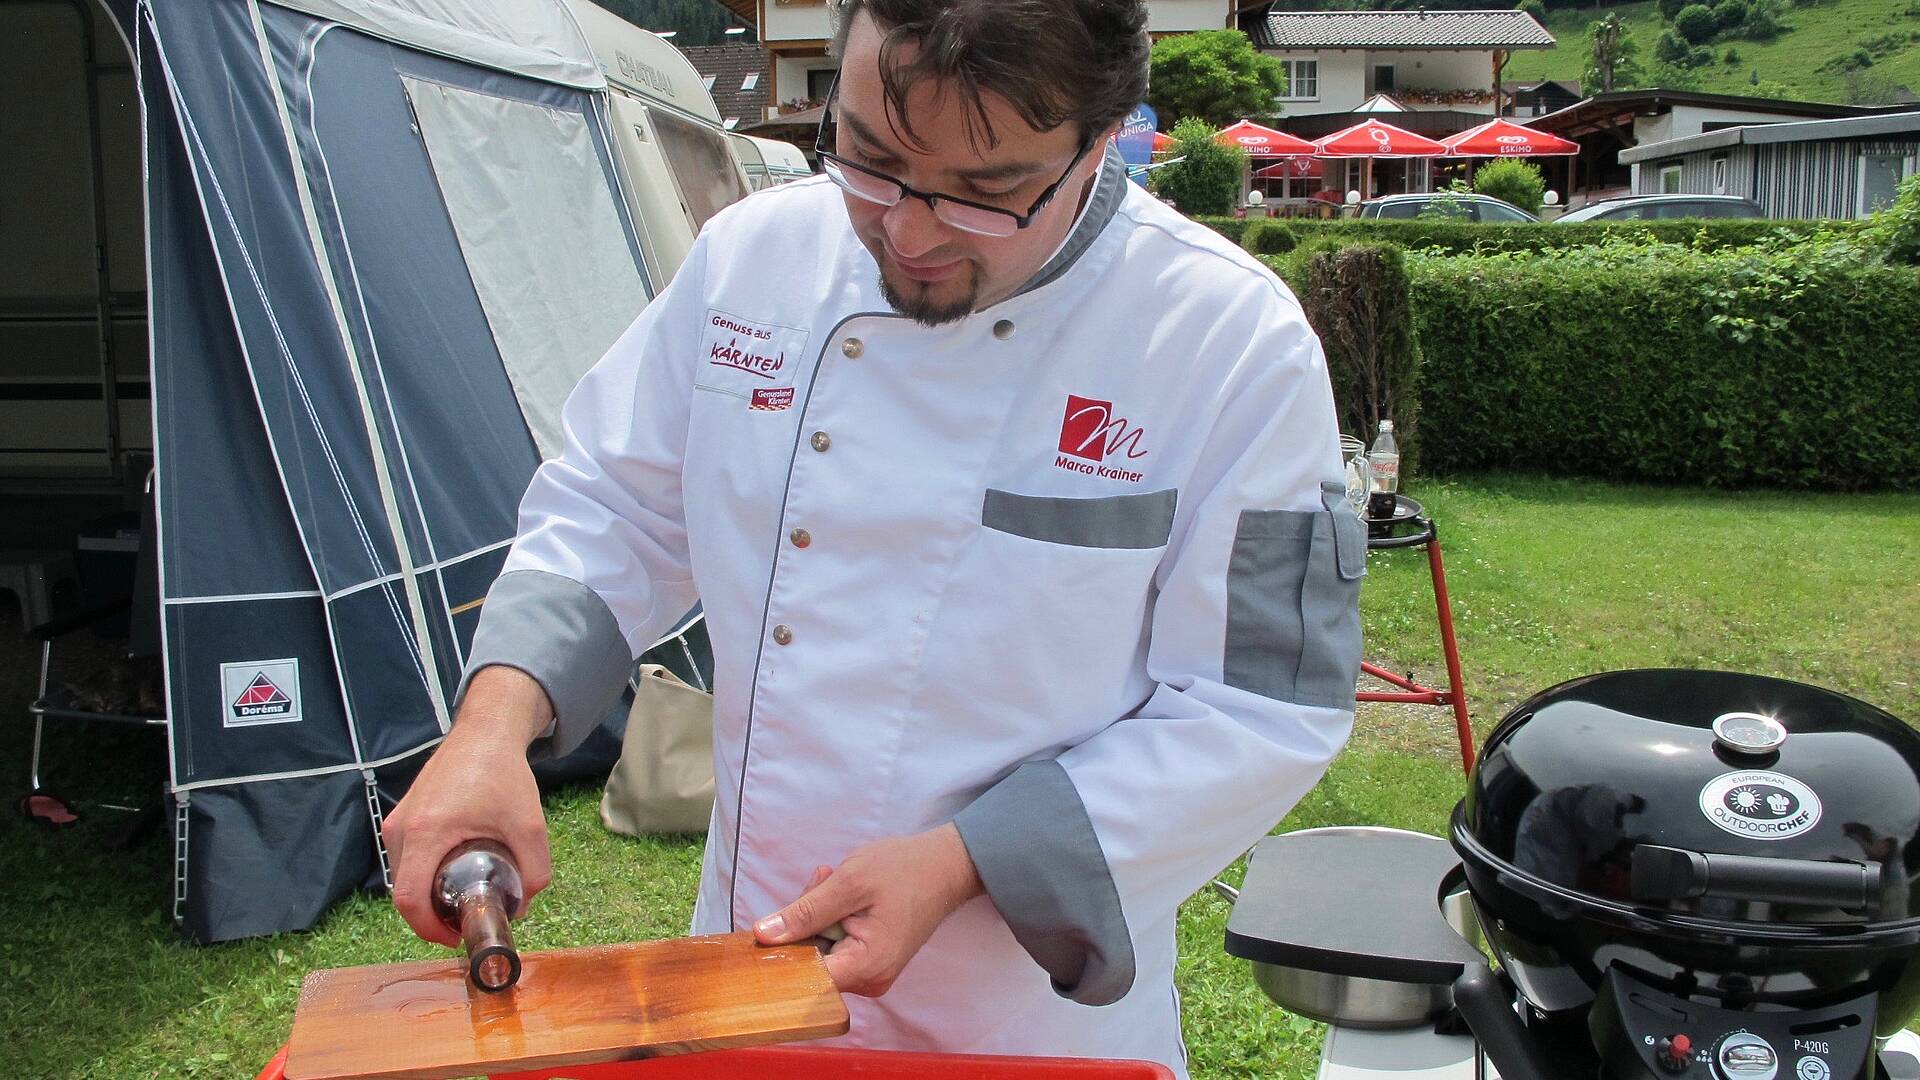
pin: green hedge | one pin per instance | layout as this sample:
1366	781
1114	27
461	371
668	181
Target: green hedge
1786	369
1468	237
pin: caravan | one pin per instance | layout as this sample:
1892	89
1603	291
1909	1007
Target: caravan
369	245
672	151
769	162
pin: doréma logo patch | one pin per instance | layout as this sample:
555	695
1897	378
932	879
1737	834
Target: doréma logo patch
1091	435
260	692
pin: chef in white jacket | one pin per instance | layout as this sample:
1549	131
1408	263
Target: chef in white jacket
1015	504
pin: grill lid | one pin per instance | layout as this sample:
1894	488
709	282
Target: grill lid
1711	794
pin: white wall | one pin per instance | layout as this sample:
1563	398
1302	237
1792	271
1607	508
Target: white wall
795	22
1687	120
1434	70
790	76
1342	81
805	21
1164	16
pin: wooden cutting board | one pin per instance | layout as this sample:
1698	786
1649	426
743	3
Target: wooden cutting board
424	1021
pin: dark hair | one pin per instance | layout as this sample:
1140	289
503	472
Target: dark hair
1054	61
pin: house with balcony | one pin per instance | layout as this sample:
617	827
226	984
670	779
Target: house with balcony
796	33
1438	72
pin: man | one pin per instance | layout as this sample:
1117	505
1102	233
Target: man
1015	504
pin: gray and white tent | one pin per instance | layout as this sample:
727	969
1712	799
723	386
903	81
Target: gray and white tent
384	238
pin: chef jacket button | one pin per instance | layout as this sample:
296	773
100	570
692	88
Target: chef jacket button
851	348
821	442
1003	329
783	634
800	537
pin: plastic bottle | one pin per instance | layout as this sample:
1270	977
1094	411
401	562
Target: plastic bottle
476	893
1383	468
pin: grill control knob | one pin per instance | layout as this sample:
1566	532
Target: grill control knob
1675	1053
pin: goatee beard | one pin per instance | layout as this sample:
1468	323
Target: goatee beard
926	312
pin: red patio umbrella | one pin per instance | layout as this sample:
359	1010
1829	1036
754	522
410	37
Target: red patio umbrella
1375	139
1299	168
1260	141
1162	142
1504	138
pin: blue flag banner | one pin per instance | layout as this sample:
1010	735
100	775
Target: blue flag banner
1136	140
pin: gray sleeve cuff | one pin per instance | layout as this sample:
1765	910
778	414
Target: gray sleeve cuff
562	635
1036	852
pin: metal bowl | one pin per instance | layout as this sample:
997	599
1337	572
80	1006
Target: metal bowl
1356	1002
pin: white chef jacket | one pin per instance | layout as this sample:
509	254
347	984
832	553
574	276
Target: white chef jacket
1075	572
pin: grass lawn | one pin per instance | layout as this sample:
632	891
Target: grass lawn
1551	579
1814	35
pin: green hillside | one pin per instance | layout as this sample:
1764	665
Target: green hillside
1808	61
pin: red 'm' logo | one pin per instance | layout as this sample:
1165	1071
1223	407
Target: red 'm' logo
1091	431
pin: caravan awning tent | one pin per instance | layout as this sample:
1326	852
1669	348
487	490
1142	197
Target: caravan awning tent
385	238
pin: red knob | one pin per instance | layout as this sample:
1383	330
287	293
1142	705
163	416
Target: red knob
1682	1047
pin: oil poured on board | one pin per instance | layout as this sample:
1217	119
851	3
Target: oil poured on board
424	1020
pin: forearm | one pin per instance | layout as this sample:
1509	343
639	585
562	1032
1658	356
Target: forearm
503	706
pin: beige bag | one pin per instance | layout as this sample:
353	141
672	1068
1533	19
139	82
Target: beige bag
663	782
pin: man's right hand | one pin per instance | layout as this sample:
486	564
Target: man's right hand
477	786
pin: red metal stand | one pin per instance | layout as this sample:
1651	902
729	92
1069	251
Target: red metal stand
1412	692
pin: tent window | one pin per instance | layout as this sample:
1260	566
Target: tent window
542	238
702	165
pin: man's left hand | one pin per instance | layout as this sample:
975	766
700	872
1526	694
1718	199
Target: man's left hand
888	896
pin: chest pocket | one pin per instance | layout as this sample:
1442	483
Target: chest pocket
1133	521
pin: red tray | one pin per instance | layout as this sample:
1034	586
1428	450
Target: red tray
833	1063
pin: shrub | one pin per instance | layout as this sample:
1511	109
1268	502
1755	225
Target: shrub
1730	15
1732	57
1455	238
1267	236
1754	367
1763	21
1535	8
1515	181
1209	177
1895	231
1356	299
1671	48
1671	8
1696	23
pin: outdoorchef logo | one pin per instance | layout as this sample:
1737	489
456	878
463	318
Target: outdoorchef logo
1090	435
1760	805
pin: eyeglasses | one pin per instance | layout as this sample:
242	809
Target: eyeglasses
963	214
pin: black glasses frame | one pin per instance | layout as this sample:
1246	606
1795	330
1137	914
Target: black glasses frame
931	198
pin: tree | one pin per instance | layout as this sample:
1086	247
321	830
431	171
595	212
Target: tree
1206	176
1215	75
1512	180
1670	8
1696	23
1610	56
1535	8
1672	50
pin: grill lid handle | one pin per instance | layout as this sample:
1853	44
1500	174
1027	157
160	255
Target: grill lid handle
1665	873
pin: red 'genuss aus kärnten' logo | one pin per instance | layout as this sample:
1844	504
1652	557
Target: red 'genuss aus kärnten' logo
1090	434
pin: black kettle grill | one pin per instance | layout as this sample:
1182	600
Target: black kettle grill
1680	873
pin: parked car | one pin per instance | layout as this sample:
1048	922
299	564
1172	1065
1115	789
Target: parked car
1466	206
1649	207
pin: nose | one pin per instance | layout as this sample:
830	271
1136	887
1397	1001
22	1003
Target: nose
912	230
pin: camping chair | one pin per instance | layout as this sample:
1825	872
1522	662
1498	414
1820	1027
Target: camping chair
110	695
